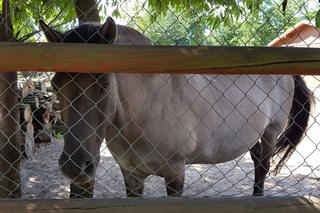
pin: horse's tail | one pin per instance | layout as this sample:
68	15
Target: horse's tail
303	100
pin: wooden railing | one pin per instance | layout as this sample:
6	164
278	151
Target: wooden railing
173	205
97	58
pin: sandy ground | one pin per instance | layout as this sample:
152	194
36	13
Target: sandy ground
41	177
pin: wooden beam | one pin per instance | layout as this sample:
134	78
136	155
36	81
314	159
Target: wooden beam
157	59
10	155
186	205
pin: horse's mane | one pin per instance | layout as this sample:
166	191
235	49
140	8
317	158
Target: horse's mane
128	35
125	35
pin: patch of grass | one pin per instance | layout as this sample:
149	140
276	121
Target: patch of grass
58	135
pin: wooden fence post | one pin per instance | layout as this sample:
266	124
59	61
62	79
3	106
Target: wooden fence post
10	184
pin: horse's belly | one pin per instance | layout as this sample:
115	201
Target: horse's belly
225	144
220	155
227	139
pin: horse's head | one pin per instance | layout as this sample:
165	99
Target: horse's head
82	99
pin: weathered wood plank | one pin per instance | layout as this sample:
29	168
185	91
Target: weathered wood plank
10	156
157	59
216	205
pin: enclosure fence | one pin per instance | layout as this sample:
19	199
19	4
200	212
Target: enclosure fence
113	113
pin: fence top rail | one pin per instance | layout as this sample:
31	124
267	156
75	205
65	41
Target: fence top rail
97	58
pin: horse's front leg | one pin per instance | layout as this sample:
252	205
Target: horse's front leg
174	174
134	183
83	190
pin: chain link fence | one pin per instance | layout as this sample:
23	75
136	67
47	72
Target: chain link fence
160	120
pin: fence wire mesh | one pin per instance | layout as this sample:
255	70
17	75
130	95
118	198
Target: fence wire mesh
160	121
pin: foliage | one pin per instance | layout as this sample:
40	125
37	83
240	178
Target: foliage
193	27
318	18
26	14
175	22
215	9
260	30
58	135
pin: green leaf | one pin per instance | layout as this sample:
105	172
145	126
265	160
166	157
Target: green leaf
318	18
116	13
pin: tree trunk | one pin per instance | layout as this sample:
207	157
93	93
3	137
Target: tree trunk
87	11
10	183
6	29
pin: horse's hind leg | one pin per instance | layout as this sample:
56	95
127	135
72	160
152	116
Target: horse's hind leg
261	154
174	178
134	183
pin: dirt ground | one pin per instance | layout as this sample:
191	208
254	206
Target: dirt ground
41	177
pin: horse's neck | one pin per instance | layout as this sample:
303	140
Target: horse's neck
134	90
129	36
135	85
139	90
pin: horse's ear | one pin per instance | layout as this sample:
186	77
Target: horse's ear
109	30
51	34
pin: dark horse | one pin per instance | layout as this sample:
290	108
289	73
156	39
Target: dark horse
156	124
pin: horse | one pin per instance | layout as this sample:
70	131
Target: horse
156	124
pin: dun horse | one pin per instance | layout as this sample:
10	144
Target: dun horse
156	124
